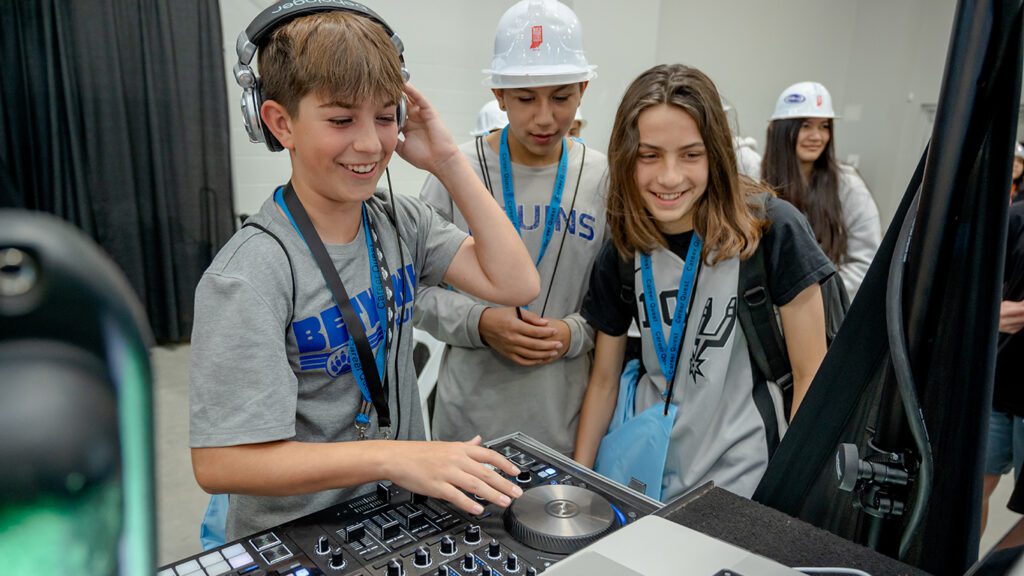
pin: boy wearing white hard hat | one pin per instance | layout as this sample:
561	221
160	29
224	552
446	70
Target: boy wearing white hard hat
510	369
800	164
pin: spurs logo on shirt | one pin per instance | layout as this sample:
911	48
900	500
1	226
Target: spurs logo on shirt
715	338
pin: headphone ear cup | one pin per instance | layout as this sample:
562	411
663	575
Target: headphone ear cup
401	113
268	137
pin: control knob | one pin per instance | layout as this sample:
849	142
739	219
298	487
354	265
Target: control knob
524	477
512	563
493	549
323	547
448	546
395	568
337	561
486	571
472	535
421	557
443	571
469	563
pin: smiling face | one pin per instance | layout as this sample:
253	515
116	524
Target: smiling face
671	166
812	139
339	150
538	120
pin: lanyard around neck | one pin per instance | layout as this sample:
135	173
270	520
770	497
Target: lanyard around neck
509	192
360	353
668	352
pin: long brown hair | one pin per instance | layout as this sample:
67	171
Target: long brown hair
723	218
817	197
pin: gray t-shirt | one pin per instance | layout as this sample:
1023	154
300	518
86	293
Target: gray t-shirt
479	391
264	370
729	419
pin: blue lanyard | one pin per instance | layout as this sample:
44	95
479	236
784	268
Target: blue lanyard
669	352
509	192
362	417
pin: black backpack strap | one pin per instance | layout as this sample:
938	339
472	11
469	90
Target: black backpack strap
291	269
627	289
760	325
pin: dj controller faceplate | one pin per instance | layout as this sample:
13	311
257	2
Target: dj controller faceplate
391	532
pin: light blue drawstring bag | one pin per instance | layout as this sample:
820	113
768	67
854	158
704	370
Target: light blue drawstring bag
636	445
214	527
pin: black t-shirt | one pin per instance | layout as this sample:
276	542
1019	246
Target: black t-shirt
793	259
1008	395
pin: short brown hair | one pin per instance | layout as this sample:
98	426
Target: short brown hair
723	217
341	56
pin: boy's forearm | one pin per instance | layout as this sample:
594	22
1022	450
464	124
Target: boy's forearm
502	256
286	468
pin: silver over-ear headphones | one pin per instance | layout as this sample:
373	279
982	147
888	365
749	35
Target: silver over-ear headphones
259	30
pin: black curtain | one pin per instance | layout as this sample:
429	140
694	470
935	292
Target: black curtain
114	116
953	266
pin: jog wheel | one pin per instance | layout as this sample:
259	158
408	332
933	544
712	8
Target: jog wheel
559	519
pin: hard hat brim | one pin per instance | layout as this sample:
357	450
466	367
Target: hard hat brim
534	80
819	115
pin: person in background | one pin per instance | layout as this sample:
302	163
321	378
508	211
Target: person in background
490	118
578	123
799	163
507	369
681	220
1006	425
1016	190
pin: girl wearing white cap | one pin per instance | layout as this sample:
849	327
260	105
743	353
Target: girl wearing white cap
799	163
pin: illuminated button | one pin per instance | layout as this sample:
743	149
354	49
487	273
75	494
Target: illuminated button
232	551
187	567
240	560
218	569
210	559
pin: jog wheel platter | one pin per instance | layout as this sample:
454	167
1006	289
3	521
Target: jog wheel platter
559	519
391	532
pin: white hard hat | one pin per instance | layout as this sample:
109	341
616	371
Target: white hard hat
538	43
491	117
579	116
1018	150
804	100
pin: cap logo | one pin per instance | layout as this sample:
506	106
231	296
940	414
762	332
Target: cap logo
819	100
795	99
537	38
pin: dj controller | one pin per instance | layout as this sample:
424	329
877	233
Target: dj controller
392	532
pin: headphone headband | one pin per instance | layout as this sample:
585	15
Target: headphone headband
262	26
282	12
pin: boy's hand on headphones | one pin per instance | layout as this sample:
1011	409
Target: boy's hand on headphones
427	144
451	470
528	342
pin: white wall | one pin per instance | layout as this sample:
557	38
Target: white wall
881	60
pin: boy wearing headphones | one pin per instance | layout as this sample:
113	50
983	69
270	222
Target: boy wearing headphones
301	343
507	369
